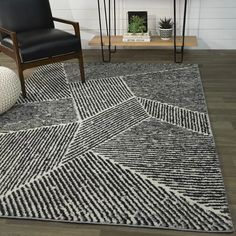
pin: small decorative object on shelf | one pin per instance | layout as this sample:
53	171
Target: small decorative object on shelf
138	37
166	28
137	28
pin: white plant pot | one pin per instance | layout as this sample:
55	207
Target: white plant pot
166	34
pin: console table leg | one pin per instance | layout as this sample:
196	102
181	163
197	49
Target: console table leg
109	31
114	12
108	28
108	17
175	47
181	52
183	33
105	12
100	28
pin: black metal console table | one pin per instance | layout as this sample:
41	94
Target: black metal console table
110	7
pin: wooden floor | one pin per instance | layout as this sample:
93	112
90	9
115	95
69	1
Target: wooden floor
218	70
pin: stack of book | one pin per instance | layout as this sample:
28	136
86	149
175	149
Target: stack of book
139	37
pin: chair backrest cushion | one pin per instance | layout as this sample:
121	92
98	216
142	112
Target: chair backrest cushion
25	15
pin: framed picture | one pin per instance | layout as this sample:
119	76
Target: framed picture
142	14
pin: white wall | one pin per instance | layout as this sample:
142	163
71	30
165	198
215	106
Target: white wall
212	21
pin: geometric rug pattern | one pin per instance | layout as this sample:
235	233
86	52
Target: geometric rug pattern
133	146
195	121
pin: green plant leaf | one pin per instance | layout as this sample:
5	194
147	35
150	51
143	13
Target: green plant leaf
165	23
137	25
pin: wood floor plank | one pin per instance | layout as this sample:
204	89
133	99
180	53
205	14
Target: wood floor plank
218	72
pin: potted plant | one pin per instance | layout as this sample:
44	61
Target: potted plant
137	25
137	31
166	28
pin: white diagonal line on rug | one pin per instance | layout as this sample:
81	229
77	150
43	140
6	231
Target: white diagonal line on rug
46	126
38	114
26	154
73	99
107	109
103	70
47	83
106	125
182	117
157	184
94	97
183	160
79	189
157	71
181	88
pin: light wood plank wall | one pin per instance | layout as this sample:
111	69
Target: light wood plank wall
212	21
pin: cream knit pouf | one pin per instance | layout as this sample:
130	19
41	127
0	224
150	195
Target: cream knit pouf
10	89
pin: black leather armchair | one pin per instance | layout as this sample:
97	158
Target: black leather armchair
28	35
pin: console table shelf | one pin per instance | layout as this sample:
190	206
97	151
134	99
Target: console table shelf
190	41
111	39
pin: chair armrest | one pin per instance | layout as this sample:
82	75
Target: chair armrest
69	22
73	23
8	32
13	36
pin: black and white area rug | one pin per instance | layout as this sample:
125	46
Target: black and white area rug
132	146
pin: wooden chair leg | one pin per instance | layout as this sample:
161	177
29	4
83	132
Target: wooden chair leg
81	67
22	81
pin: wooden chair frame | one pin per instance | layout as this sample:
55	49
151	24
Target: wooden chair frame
14	53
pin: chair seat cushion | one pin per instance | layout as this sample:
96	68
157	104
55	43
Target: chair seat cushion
44	43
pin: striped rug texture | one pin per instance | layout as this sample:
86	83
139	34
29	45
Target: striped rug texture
132	146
